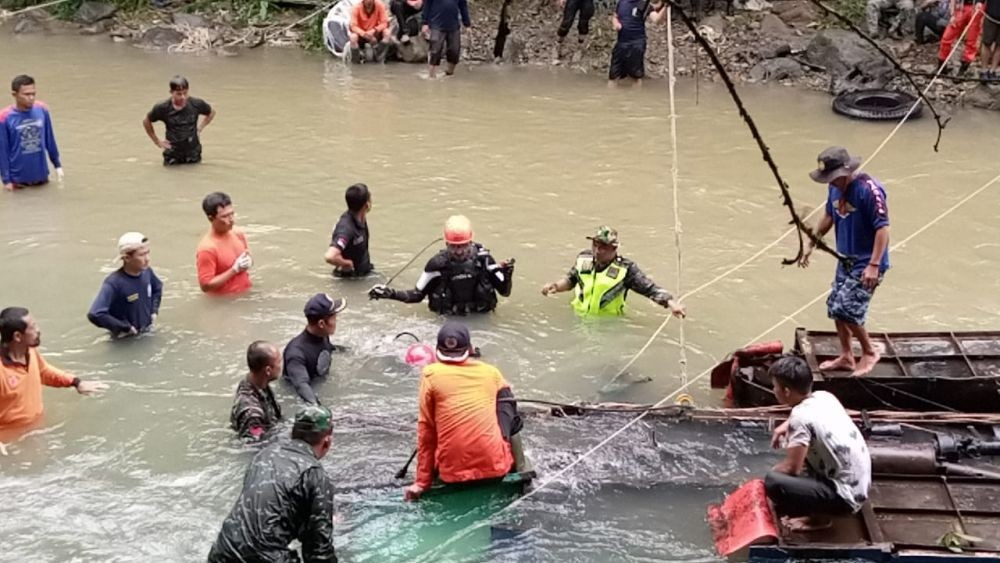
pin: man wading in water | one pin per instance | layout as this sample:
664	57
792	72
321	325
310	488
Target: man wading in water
180	114
856	206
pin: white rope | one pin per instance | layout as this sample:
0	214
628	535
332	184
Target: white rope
674	174
920	100
4	14
545	483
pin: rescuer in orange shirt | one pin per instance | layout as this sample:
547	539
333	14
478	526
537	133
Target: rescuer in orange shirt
468	425
23	371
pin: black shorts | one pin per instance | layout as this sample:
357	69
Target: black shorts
379	37
628	60
447	44
991	32
182	152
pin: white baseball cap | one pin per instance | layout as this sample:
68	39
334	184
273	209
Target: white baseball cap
131	241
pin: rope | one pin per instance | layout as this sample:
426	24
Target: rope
674	174
923	94
30	8
546	482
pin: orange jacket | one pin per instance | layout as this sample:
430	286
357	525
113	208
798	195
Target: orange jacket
21	387
362	21
458	435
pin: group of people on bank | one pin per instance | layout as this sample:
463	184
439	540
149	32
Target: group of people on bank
468	426
946	20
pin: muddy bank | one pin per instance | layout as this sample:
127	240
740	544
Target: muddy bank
788	43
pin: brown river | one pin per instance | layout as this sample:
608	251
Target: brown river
536	158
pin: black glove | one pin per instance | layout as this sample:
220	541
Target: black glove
381	291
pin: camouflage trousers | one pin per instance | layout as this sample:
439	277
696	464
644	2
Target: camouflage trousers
902	23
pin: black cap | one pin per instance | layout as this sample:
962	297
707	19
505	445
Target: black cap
321	306
454	342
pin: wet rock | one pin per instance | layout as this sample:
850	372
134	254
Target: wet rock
772	26
413	51
775	50
28	23
983	97
90	13
716	22
798	13
96	29
191	20
852	63
776	69
160	38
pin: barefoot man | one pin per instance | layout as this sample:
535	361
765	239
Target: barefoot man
827	469
856	207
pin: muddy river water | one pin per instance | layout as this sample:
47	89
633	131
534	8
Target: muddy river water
536	159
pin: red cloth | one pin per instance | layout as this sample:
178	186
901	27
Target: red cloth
962	17
458	434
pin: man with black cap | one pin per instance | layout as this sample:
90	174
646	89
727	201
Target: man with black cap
602	280
856	207
287	495
307	356
255	410
468	426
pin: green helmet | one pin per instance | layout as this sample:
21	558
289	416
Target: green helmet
314	418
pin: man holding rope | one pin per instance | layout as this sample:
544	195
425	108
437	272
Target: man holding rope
856	207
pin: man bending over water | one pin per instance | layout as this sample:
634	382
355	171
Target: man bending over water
827	468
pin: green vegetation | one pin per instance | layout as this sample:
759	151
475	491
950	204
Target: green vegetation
853	9
312	37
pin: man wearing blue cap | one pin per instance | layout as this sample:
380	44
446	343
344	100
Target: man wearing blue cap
307	356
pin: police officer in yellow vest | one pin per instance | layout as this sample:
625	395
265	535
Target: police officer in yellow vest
602	279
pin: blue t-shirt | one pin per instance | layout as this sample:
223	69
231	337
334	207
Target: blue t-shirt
127	301
857	214
25	138
444	15
633	19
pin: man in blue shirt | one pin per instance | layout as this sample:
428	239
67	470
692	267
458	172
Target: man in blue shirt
856	207
628	58
441	28
26	138
130	296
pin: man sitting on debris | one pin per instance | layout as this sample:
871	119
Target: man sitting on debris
933	16
370	29
827	468
900	26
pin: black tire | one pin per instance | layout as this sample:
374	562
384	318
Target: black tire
876	105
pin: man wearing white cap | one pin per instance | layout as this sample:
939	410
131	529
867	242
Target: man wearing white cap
129	299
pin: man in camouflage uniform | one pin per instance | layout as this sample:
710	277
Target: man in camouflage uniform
602	280
900	26
287	495
255	410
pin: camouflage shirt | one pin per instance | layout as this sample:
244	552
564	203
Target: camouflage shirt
255	410
286	495
635	279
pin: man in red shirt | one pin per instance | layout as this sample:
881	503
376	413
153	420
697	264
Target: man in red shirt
223	253
369	28
23	371
468	425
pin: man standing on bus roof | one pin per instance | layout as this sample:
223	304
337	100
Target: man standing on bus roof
856	208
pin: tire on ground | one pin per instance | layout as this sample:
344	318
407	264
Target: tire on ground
876	105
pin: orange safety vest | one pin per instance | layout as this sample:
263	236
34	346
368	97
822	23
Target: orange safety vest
458	435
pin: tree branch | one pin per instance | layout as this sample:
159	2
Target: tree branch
786	195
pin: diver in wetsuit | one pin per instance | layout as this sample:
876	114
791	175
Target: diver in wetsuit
463	278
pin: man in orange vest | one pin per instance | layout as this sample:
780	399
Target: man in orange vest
23	371
468	425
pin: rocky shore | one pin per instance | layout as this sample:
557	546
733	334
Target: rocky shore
787	43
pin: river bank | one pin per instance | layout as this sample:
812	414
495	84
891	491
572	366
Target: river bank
788	43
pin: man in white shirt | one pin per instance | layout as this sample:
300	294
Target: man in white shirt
827	467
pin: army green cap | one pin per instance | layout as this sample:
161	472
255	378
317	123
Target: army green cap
606	235
314	418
